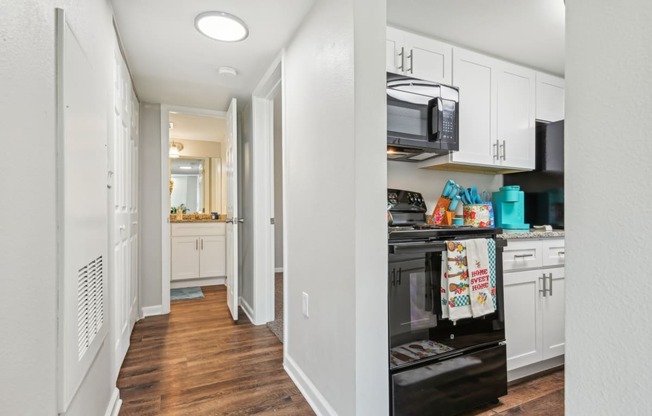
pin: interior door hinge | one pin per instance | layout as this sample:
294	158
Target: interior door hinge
271	221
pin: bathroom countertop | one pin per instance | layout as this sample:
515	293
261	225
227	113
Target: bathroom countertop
532	234
194	221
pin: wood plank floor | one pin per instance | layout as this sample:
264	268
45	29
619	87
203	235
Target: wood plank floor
197	361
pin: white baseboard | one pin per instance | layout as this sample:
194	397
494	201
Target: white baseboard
531	369
114	404
211	281
146	311
314	398
278	270
248	310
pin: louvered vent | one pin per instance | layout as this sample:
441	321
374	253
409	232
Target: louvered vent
90	303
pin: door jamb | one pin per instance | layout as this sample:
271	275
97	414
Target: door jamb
165	193
263	187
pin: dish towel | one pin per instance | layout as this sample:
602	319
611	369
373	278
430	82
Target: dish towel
455	282
477	253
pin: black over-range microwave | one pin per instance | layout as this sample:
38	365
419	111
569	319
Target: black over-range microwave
422	118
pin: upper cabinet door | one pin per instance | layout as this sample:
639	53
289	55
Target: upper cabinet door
550	97
473	74
515	116
394	58
418	57
428	59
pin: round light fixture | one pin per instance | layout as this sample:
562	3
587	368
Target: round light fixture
221	26
227	71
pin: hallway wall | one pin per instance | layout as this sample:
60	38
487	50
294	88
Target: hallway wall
28	263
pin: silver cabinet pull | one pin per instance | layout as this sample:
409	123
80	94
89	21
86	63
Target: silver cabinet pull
202	243
561	253
197	244
550	288
504	150
495	146
520	256
411	61
402	55
542	279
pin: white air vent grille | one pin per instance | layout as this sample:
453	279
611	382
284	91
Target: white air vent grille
90	303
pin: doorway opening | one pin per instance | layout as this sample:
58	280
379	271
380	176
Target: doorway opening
193	185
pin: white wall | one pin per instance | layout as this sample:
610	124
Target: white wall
608	149
430	183
278	181
28	303
336	252
149	186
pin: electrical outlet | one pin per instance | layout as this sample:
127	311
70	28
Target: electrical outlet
305	304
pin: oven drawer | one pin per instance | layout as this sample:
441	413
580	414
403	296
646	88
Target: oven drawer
519	255
451	386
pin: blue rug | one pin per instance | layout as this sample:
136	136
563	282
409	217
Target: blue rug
186	293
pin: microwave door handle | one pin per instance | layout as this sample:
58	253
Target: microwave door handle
435	118
420	247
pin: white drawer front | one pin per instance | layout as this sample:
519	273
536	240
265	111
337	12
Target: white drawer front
553	252
520	255
198	229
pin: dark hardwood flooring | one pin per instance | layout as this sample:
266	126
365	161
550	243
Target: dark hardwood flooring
197	361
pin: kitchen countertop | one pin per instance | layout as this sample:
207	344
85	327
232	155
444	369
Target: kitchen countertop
532	234
194	221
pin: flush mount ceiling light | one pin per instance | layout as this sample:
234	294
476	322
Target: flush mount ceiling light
175	148
222	26
227	71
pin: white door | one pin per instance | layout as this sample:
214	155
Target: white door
553	312
232	209
515	116
185	258
474	75
124	207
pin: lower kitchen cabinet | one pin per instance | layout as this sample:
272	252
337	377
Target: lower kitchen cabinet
534	306
198	251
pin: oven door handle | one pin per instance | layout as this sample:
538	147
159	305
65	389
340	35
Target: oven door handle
418	247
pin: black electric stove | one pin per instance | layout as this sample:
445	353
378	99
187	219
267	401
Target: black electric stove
432	359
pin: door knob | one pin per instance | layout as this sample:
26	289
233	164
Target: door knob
240	220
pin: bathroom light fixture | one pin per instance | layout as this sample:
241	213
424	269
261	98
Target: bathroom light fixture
175	148
171	125
221	26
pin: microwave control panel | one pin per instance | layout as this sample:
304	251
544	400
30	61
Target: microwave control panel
449	121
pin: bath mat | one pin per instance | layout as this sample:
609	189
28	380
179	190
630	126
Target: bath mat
186	293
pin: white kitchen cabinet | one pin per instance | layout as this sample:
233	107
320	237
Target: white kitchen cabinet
198	251
534	303
417	56
497	116
515	117
550	97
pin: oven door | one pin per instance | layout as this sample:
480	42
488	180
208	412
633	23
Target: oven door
415	315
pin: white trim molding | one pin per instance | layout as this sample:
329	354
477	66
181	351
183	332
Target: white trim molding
146	311
113	409
278	270
314	398
248	310
263	187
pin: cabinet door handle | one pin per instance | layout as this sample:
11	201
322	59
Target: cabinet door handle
402	55
504	150
542	279
520	256
561	253
399	275
411	61
495	146
202	243
550	288
197	244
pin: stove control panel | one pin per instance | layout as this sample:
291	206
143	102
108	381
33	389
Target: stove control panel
400	200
